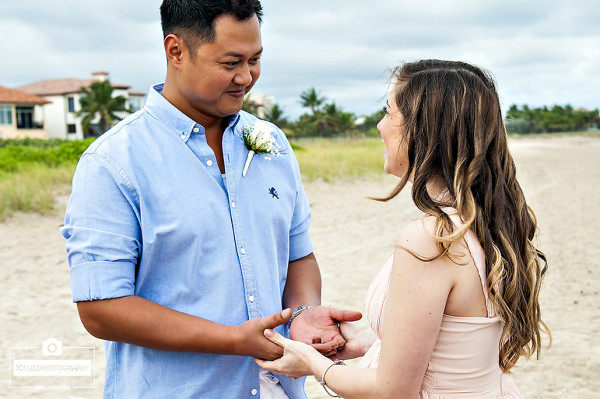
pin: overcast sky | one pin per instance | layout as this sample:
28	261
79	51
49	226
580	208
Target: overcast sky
541	52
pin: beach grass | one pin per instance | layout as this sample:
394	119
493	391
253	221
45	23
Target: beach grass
550	135
339	158
346	159
33	188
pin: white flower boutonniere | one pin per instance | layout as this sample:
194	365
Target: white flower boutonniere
259	140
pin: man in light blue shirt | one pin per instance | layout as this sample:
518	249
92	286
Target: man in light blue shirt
178	260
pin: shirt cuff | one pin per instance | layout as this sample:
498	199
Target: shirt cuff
102	280
300	246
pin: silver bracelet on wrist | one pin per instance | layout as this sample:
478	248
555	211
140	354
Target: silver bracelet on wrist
324	384
297	312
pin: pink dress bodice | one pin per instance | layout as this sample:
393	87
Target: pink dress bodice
464	362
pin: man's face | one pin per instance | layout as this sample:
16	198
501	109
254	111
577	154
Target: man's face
215	81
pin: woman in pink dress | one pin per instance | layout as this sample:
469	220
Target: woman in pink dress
456	305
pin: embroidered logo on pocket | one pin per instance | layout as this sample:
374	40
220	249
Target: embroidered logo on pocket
273	193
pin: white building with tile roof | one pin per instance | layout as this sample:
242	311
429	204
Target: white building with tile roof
21	115
64	95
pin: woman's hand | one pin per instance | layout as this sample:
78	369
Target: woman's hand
299	359
358	341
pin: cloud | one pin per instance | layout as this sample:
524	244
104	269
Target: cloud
540	54
63	39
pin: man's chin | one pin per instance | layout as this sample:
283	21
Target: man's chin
231	111
232	108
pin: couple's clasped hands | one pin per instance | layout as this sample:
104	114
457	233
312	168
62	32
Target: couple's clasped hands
314	333
317	326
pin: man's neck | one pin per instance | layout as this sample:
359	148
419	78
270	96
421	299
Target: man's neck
216	125
213	126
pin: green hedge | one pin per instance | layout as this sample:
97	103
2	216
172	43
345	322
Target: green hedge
35	143
15	154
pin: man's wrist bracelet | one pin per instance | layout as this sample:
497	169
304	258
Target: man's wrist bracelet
297	312
324	384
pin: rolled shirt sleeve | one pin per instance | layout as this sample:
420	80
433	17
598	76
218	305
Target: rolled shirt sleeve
102	230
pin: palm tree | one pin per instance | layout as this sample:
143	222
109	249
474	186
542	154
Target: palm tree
98	101
338	121
275	115
311	99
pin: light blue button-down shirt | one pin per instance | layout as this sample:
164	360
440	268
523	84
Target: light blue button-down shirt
151	215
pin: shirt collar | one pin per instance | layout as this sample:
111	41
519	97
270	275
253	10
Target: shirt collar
179	123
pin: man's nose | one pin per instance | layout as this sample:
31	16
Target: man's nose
243	77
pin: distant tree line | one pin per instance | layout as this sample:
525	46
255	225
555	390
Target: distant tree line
550	120
327	119
324	119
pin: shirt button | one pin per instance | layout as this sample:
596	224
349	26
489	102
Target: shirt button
251	298
182	137
209	162
254	392
232	204
243	251
195	130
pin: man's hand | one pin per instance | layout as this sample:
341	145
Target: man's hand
318	327
251	340
358	341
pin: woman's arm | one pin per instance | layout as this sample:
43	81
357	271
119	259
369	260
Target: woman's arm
418	292
416	300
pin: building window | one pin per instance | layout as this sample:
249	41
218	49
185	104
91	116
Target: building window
5	115
25	118
71	128
71	101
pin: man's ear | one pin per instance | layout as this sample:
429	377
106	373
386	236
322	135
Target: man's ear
174	50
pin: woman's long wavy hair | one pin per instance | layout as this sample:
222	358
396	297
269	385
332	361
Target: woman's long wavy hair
453	130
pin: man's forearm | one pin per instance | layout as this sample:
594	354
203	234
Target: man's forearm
141	322
303	286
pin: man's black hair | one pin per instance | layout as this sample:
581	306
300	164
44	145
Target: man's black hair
194	20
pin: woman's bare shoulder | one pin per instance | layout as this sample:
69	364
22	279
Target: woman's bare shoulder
418	237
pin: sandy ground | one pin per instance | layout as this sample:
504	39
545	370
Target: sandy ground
353	236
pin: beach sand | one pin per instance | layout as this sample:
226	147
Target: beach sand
353	236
